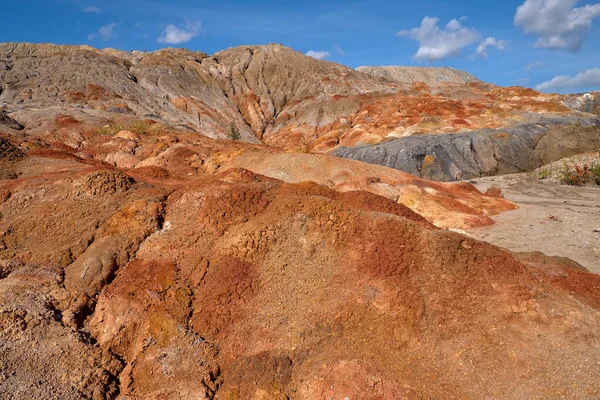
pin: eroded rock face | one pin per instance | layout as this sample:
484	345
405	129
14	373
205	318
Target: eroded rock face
586	102
42	357
190	277
143	260
158	85
9	122
8	151
428	75
444	205
269	94
483	153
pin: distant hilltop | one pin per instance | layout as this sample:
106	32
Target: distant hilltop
429	75
270	94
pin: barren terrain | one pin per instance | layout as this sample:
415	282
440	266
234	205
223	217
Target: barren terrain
175	225
558	220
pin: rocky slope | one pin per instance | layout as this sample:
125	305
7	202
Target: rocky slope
151	145
190	277
427	75
110	82
270	94
143	256
473	154
586	102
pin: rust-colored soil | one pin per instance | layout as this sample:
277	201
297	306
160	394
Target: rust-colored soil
168	232
153	283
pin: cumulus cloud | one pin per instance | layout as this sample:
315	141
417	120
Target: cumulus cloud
319	55
105	32
175	35
92	10
453	25
490	42
534	65
436	44
558	24
590	77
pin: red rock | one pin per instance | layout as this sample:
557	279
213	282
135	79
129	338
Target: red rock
495	191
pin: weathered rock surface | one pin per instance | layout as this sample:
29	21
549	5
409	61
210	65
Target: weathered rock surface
40	356
165	154
484	152
270	94
9	122
428	75
237	285
140	258
158	85
586	102
8	151
455	206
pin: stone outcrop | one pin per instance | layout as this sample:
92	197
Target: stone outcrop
586	102
9	122
8	151
479	153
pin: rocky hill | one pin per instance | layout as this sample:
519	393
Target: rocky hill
270	94
523	147
586	102
427	75
251	87
189	276
170	228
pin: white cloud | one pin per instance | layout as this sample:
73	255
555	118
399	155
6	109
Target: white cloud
490	42
105	32
590	77
319	55
557	23
436	44
175	35
453	25
92	10
339	50
534	65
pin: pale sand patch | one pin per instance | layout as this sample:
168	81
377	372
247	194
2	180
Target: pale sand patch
557	220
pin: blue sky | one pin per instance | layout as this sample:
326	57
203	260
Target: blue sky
529	47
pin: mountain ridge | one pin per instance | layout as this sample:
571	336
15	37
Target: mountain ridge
409	74
270	94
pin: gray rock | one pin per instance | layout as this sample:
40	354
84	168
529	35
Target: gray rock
9	122
429	75
119	110
451	157
587	102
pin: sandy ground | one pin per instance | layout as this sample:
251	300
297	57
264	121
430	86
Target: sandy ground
557	220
